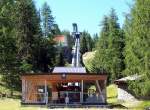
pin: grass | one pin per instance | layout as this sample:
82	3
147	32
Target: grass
14	104
143	105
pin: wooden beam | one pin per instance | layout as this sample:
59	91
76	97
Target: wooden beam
69	77
100	91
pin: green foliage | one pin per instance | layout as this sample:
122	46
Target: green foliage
89	42
137	56
48	24
27	32
70	39
100	60
47	19
60	60
135	87
25	67
46	56
22	45
144	104
86	42
24	48
88	60
55	30
83	43
109	51
95	40
37	51
9	65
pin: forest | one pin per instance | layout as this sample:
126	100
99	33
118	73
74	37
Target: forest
27	45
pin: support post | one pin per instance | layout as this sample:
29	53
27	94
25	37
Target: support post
81	97
23	90
100	91
46	95
26	90
105	90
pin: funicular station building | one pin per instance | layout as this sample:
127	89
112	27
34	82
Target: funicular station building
65	85
70	82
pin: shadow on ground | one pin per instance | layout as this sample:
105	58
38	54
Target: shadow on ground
118	106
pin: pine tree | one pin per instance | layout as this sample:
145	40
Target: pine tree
69	37
137	54
83	43
116	45
46	55
60	60
109	55
55	30
100	61
22	46
89	41
70	43
29	34
9	66
28	29
95	40
47	19
20	38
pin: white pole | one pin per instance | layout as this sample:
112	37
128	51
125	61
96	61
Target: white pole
23	90
105	90
46	95
78	53
81	99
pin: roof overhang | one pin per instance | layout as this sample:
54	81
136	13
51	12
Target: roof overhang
68	77
124	80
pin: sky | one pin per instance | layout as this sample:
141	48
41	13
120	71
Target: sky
88	14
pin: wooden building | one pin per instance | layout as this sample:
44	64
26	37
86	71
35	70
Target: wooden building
61	40
64	82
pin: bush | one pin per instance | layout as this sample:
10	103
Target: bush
140	88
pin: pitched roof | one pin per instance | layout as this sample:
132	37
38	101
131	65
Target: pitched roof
129	78
69	70
59	38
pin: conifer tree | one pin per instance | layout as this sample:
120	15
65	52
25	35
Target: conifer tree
55	30
137	54
60	60
109	56
28	29
22	46
47	19
101	56
9	66
95	40
89	41
116	45
69	38
83	43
